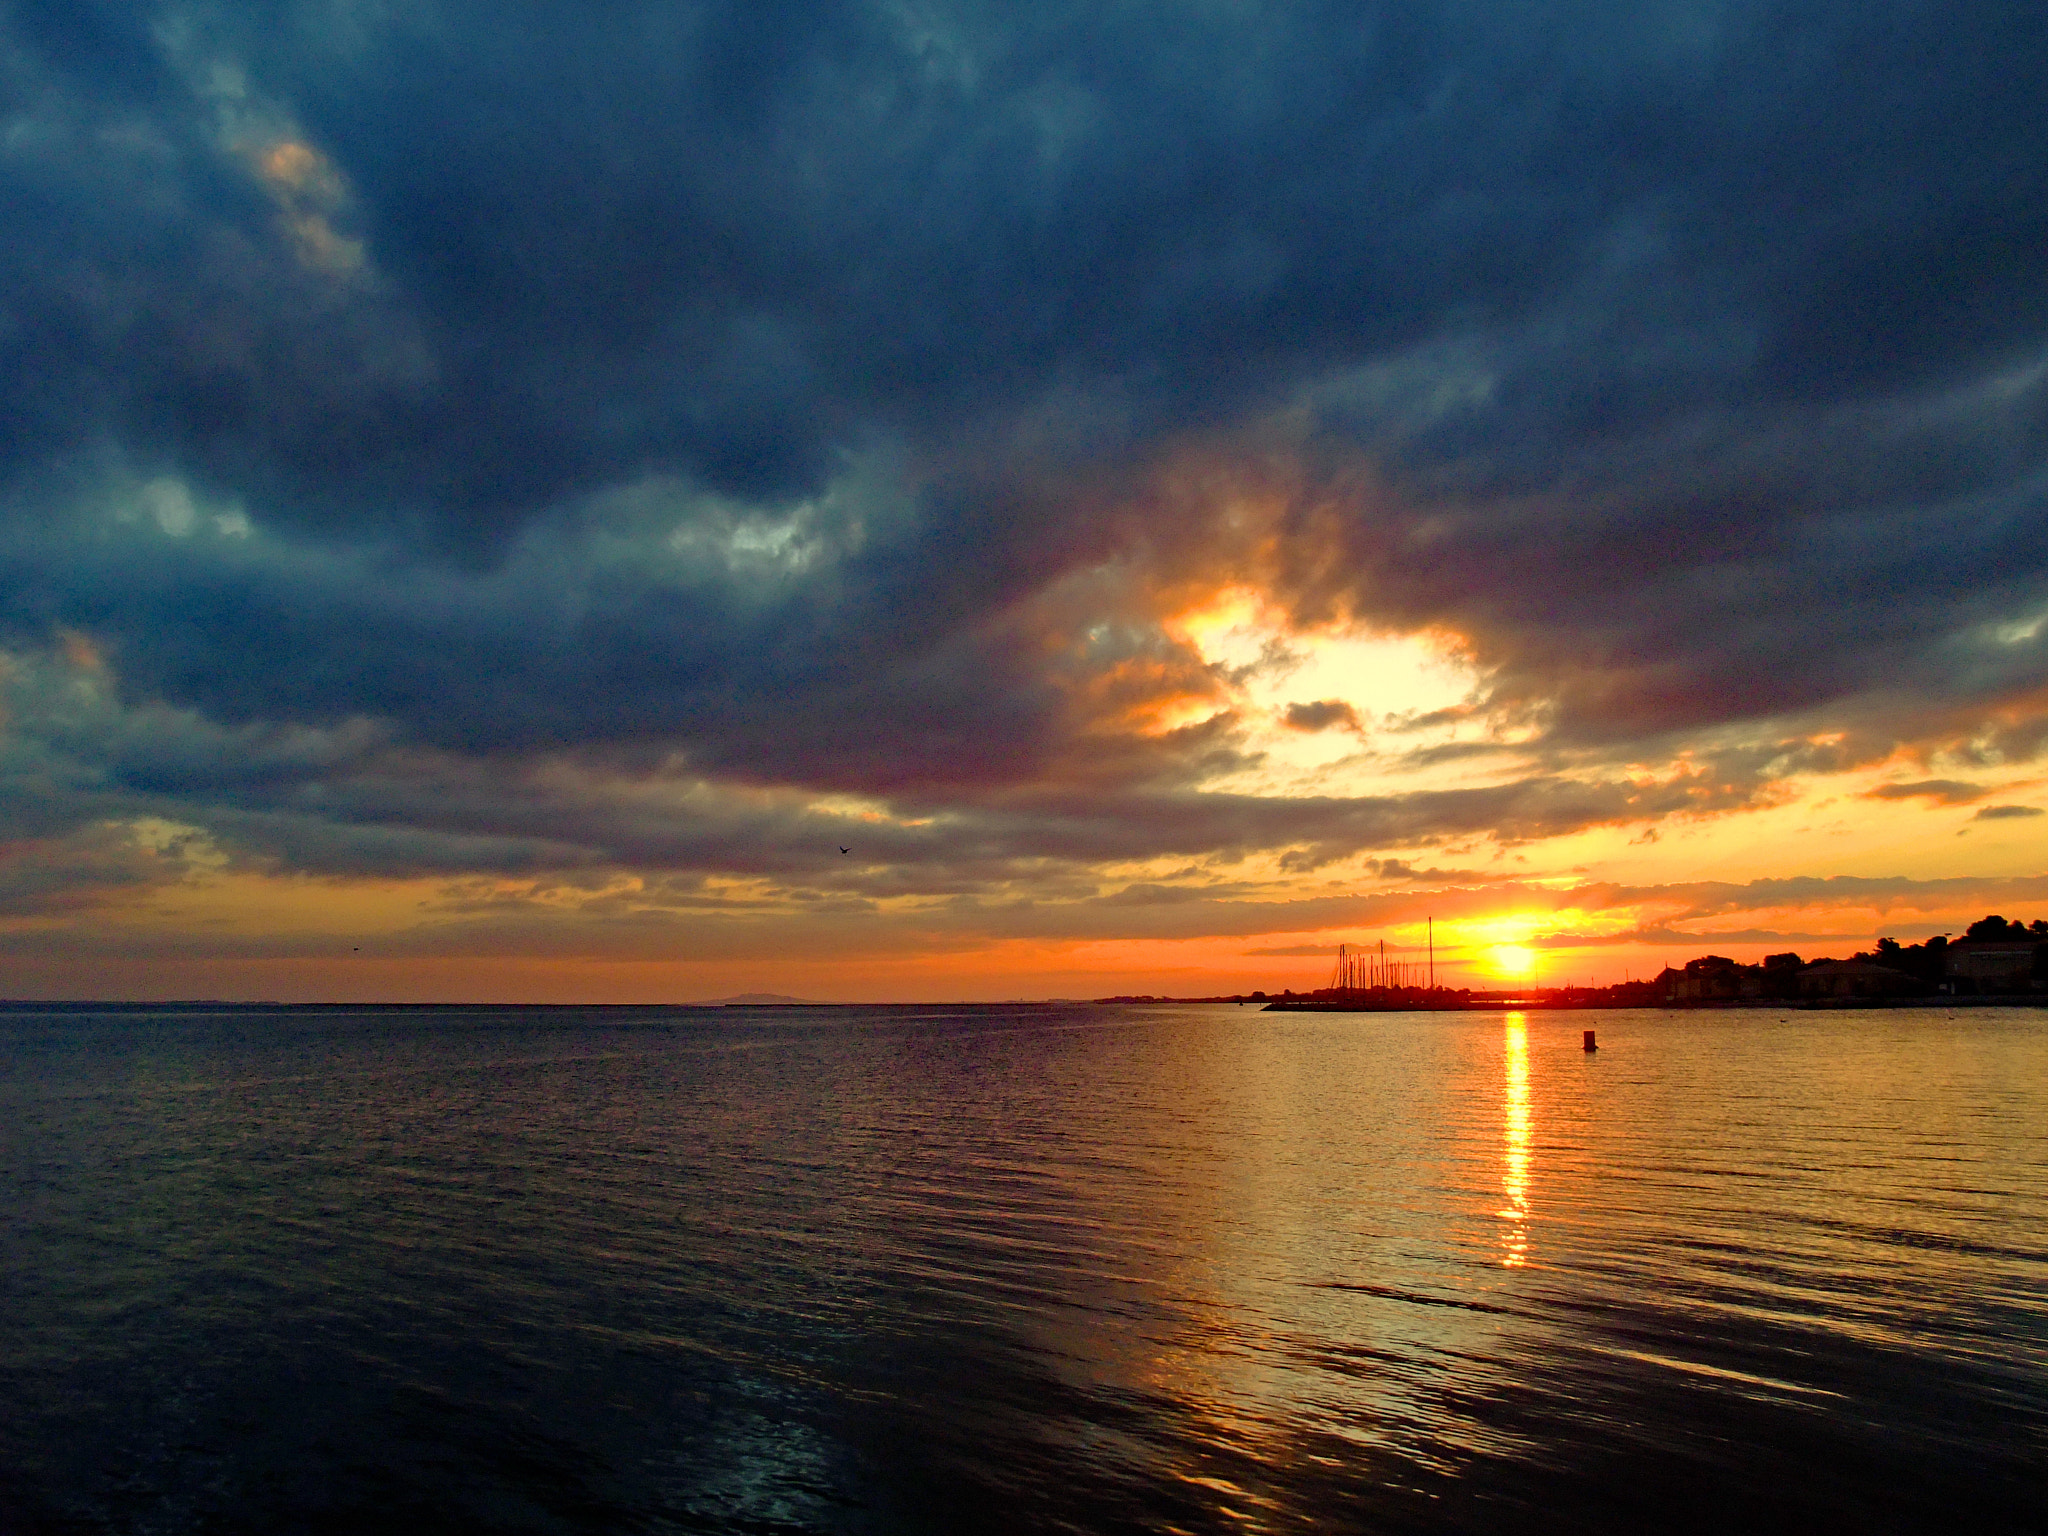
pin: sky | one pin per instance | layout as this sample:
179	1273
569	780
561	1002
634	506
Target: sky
931	499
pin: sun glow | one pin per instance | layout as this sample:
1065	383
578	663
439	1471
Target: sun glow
1514	961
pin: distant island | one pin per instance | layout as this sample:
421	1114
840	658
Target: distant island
758	1000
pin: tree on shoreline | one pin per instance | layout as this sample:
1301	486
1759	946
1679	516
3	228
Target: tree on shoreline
1711	977
1928	961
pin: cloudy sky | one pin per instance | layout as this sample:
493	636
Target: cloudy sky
494	499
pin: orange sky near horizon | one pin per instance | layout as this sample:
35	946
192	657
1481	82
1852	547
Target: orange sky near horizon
1823	866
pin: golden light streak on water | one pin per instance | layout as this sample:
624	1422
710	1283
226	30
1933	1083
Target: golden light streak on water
1514	1163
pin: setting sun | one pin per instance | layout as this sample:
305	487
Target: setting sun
1511	960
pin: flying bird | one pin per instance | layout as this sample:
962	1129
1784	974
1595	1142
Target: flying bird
846	850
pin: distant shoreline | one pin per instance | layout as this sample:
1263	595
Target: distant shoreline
1263	1005
1745	1004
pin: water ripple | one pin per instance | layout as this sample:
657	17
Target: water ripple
1149	1269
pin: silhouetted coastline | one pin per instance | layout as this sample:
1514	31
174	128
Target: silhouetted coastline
1997	962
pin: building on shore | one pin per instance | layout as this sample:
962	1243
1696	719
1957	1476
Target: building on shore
1716	981
1991	965
1996	957
1710	979
1855	978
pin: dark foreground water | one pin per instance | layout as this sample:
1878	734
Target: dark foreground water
1030	1269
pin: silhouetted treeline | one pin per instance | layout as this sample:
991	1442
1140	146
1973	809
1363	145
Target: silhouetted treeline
1995	956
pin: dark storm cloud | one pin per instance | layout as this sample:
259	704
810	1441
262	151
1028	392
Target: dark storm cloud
1400	869
1940	791
1321	715
831	395
345	800
76	873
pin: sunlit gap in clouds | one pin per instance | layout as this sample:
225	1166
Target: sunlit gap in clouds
1328	711
1515	1125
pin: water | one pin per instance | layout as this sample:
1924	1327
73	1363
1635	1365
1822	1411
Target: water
1021	1269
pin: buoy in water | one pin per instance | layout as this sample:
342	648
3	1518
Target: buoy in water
1589	1041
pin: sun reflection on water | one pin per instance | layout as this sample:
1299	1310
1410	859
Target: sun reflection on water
1514	1165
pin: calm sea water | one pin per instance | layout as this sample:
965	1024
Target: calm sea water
1021	1269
